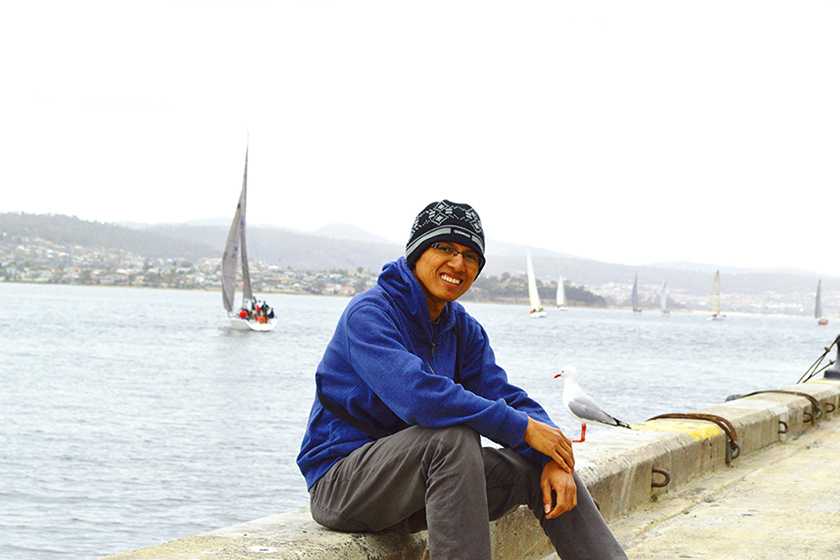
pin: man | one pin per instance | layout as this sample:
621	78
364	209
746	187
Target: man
407	386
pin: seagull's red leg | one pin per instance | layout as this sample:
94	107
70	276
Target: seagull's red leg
582	434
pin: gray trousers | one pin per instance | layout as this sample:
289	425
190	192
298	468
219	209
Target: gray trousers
444	481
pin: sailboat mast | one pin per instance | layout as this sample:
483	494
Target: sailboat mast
246	273
233	246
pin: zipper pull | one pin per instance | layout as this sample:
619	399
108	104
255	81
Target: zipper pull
432	355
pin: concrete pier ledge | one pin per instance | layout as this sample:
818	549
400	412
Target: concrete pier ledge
780	502
624	471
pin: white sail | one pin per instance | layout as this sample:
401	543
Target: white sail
818	312
714	304
663	298
818	305
533	294
714	301
634	296
235	250
247	295
561	293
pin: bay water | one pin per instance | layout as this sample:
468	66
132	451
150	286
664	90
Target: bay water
132	417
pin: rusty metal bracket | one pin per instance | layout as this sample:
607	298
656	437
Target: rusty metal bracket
664	482
733	449
816	409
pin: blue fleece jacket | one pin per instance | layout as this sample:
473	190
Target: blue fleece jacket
388	363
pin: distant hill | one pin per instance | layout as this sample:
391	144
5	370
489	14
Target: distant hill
347	232
343	247
70	230
283	247
711	269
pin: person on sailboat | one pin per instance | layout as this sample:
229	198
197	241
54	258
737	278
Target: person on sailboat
247	308
406	387
268	311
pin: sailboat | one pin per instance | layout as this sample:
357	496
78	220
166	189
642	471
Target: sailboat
634	296
818	313
561	294
714	304
253	315
536	307
663	298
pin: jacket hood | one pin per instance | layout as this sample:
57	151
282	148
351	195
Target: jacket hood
399	282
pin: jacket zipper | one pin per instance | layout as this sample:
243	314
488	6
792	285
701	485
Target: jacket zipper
432	355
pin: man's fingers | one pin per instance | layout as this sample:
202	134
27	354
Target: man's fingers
561	461
546	491
565	458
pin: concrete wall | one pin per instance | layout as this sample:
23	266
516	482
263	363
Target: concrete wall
616	465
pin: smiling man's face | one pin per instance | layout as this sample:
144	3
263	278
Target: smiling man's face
444	278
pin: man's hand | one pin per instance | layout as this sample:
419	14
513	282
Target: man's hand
550	441
563	484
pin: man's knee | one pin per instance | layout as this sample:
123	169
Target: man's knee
457	443
458	436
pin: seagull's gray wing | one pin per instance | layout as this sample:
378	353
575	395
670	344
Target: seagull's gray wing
583	406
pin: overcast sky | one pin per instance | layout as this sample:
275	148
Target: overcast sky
629	132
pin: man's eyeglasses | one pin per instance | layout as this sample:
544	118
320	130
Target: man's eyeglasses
470	259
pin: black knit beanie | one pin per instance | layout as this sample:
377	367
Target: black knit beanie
445	221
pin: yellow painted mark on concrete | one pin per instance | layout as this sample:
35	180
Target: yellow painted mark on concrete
697	430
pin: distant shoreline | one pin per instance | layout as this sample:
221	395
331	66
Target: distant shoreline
523	302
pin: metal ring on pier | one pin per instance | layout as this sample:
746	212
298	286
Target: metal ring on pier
783	427
830	410
733	450
664	482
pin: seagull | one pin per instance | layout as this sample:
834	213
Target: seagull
581	406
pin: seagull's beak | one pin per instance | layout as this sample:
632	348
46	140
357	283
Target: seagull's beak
558	375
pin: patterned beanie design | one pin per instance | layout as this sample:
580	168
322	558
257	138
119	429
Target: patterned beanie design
445	221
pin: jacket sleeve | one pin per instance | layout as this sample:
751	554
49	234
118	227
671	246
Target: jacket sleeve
483	376
401	376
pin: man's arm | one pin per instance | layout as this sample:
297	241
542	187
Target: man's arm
551	442
484	376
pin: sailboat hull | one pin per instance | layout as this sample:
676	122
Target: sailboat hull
239	324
